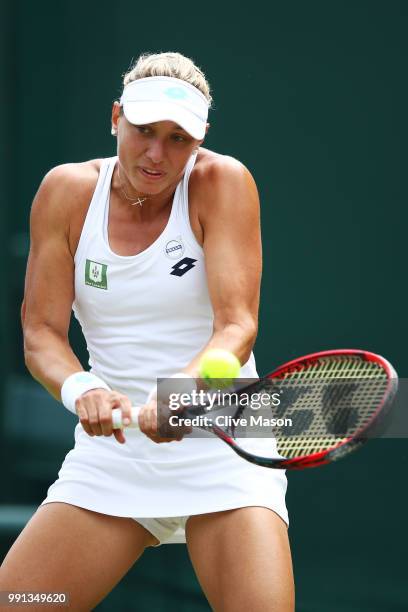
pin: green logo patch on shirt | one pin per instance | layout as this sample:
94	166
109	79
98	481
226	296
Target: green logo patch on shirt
96	274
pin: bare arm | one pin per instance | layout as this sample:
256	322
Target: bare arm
229	215
48	298
49	286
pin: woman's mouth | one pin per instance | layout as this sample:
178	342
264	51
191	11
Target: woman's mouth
151	174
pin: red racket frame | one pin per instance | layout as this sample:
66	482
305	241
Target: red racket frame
343	448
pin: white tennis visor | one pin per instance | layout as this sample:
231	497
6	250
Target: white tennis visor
166	99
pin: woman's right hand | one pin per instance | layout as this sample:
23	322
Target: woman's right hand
94	409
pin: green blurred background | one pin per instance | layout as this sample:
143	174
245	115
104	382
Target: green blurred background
312	97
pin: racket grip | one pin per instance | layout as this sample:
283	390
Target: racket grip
117	418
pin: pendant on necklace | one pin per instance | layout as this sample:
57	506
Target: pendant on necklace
139	201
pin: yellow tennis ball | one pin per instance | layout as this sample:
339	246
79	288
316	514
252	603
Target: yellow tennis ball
219	366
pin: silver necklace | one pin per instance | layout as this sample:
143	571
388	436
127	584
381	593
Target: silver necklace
132	201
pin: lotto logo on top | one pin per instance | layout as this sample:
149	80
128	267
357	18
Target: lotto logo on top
96	274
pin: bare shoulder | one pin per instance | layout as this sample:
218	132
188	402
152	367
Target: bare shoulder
222	191
68	184
63	198
211	166
219	181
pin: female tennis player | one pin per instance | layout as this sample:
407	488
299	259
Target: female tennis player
158	252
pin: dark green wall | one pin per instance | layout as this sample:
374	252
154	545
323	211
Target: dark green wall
312	97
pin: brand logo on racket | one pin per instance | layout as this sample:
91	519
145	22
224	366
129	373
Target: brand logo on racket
174	249
96	274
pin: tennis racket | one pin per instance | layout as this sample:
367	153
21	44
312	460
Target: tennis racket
330	403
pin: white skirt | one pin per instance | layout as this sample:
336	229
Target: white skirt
176	479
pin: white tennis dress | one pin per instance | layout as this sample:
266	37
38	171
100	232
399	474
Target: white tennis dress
145	317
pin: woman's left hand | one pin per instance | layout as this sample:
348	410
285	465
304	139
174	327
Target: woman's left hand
154	422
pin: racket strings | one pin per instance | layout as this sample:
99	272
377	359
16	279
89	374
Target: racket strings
340	366
327	401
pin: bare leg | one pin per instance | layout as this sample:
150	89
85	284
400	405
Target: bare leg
67	549
242	560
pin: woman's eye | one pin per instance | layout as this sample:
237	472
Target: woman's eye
179	138
143	129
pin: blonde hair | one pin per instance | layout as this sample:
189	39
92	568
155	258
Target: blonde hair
171	64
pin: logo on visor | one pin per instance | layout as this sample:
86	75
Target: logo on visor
176	93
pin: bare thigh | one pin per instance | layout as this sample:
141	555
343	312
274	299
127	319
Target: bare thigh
242	560
68	549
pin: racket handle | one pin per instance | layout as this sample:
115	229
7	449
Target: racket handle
117	418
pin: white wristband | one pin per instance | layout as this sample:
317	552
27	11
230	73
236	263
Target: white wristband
77	384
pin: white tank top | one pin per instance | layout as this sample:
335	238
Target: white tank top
143	316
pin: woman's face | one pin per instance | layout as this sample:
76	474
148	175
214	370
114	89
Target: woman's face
152	156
